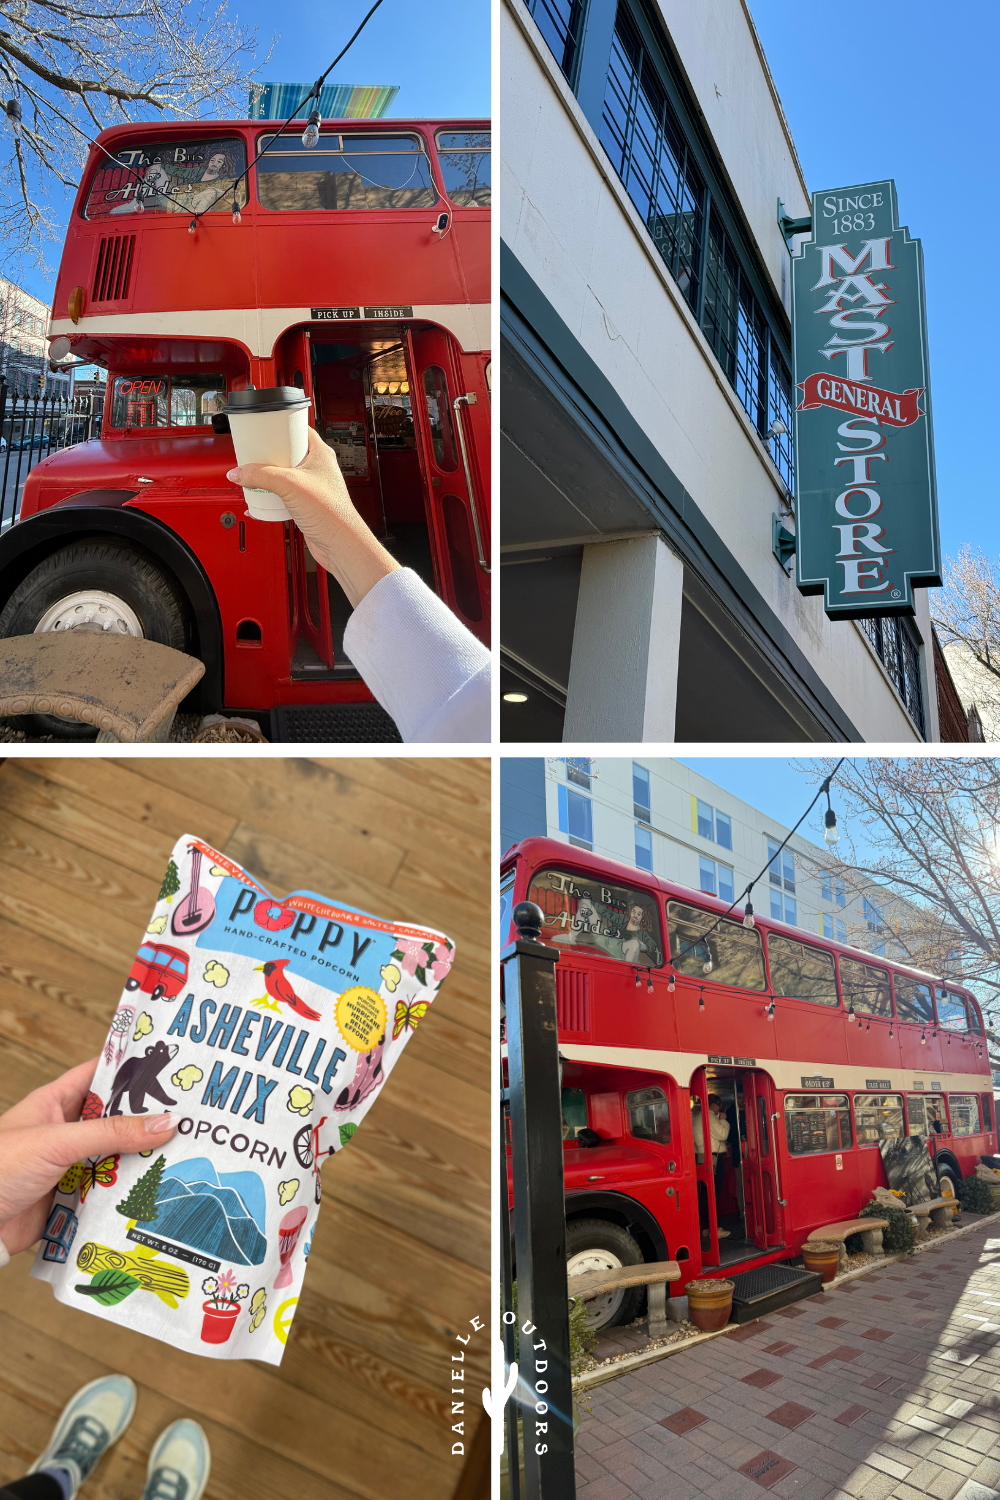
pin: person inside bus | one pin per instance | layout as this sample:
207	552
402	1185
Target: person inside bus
429	673
719	1135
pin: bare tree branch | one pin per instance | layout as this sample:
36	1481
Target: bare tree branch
86	64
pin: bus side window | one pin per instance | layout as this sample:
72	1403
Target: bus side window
987	1103
964	1114
649	1115
574	1113
951	1011
439	418
916	1109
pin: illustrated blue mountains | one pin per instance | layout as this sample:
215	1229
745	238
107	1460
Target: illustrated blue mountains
220	1214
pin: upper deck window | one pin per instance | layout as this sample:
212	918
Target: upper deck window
345	172
865	988
913	1000
951	1011
801	971
589	915
733	951
465	166
169	177
166	400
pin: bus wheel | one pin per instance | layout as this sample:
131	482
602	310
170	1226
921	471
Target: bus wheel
948	1186
94	586
596	1245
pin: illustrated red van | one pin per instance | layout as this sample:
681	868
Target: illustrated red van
159	971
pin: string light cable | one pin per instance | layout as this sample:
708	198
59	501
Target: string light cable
748	914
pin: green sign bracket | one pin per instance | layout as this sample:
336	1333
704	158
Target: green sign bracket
782	542
790	226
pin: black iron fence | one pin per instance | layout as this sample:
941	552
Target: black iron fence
539	1420
32	427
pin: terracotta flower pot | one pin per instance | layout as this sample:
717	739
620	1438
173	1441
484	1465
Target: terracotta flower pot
710	1303
218	1322
822	1256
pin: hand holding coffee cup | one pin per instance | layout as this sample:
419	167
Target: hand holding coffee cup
269	427
315	496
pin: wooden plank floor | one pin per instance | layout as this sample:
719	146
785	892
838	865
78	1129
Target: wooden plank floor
360	1408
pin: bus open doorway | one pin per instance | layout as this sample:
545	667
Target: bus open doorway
384	399
739	1211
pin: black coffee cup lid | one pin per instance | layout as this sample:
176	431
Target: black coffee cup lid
273	398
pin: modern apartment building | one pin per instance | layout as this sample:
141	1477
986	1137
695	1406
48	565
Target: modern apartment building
661	816
24	322
647	479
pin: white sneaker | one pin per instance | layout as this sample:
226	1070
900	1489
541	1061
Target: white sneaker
723	1234
90	1422
179	1464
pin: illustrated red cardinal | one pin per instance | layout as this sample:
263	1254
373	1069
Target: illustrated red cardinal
277	984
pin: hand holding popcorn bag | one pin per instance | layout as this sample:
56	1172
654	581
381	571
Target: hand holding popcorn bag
267	1028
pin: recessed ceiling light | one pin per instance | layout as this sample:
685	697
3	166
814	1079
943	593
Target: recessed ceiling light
515	697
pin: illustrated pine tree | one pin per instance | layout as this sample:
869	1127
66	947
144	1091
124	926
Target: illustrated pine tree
140	1202
171	883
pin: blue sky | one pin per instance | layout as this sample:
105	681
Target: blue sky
438	54
909	91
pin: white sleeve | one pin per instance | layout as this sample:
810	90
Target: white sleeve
425	668
4	1255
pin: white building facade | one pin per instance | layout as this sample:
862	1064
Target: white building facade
645	317
661	816
24	322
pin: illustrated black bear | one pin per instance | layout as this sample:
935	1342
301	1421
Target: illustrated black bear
137	1077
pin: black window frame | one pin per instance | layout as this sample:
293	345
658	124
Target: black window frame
894	641
562	32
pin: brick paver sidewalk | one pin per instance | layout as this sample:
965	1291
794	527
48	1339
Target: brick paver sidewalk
887	1386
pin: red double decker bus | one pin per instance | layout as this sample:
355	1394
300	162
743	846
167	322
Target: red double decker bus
357	270
816	1052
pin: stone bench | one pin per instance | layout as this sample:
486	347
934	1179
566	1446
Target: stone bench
869	1229
653	1275
128	688
937	1210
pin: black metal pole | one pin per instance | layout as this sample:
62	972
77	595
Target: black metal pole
545	1394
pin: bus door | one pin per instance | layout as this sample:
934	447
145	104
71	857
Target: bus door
451	476
761	1169
307	580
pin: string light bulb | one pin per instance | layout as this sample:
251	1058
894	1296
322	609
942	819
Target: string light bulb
237	216
649	981
706	967
850	1010
923	1038
748	914
192	227
701	999
671	983
832	833
310	136
637	979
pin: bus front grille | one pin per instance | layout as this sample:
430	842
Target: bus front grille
114	266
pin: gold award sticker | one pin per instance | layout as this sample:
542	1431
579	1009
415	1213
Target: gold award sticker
361	1017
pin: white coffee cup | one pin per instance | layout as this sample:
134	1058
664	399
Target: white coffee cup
269	427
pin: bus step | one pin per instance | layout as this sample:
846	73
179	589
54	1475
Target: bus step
766	1288
334	724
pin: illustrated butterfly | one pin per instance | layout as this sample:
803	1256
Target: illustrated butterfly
408	1017
86	1174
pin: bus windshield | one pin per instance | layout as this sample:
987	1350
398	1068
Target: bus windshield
345	172
592	915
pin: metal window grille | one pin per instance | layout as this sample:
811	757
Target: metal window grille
900	655
559	23
643	138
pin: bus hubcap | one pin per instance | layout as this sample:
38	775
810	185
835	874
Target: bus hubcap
600	1310
91	610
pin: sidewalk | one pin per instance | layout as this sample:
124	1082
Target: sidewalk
887	1386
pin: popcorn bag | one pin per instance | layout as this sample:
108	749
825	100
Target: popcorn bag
268	1027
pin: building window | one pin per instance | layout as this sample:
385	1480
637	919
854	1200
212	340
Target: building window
644	849
781	867
643	138
576	817
841	897
578	771
841	932
640	792
716	879
783	909
826	925
723	830
704	820
826	886
559	23
898	652
873	917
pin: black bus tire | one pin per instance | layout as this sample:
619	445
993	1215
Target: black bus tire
114	568
607	1244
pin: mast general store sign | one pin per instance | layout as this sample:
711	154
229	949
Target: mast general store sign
866	509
